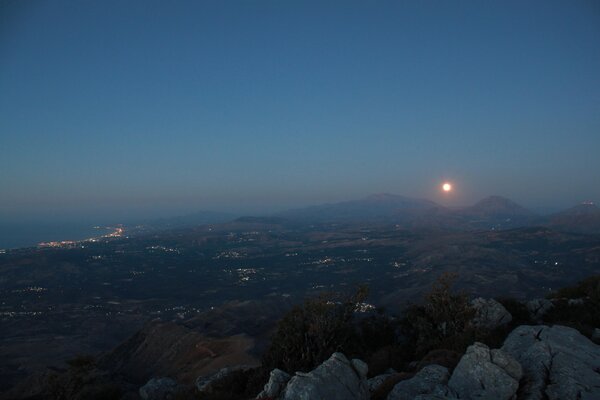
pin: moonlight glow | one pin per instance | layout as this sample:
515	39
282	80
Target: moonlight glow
447	187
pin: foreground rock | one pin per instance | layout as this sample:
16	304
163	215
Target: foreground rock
537	362
158	389
489	313
481	374
277	381
430	381
558	363
335	379
486	374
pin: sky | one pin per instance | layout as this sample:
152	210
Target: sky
112	109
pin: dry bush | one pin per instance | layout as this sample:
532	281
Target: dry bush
583	316
443	321
308	334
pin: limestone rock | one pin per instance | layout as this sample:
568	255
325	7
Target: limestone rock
335	379
489	313
484	374
431	380
277	381
558	362
158	389
538	307
361	367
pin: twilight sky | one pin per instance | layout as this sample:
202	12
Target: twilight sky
112	108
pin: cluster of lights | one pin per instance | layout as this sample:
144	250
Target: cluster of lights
118	232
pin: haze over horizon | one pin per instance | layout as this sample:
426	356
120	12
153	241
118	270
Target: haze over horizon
112	110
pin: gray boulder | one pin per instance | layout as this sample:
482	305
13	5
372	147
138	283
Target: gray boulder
430	381
538	307
558	363
486	374
277	381
158	389
335	379
489	313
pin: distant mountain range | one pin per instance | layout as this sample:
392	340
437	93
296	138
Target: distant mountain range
373	208
583	218
490	213
494	212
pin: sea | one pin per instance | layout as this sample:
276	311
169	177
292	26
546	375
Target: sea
17	235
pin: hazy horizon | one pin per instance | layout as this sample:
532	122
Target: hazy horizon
135	215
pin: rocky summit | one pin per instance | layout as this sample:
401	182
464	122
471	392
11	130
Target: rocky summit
335	379
535	363
558	362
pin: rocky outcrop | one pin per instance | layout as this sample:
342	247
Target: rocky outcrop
486	374
158	389
335	379
538	307
558	363
430	381
481	374
277	381
489	313
537	362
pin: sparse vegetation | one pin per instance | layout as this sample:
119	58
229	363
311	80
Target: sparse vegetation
310	333
587	288
436	331
577	306
443	321
82	381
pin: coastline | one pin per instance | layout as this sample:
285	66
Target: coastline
22	236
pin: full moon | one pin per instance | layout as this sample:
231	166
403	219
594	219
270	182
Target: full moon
446	187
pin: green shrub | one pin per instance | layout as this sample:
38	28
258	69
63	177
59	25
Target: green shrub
308	334
583	316
589	287
518	310
443	321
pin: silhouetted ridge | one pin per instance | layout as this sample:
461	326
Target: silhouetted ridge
497	206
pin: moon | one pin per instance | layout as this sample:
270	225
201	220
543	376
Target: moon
447	187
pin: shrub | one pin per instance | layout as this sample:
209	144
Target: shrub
517	309
443	321
82	380
308	334
584	315
589	287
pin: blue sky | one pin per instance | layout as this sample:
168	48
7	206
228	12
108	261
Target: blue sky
114	108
